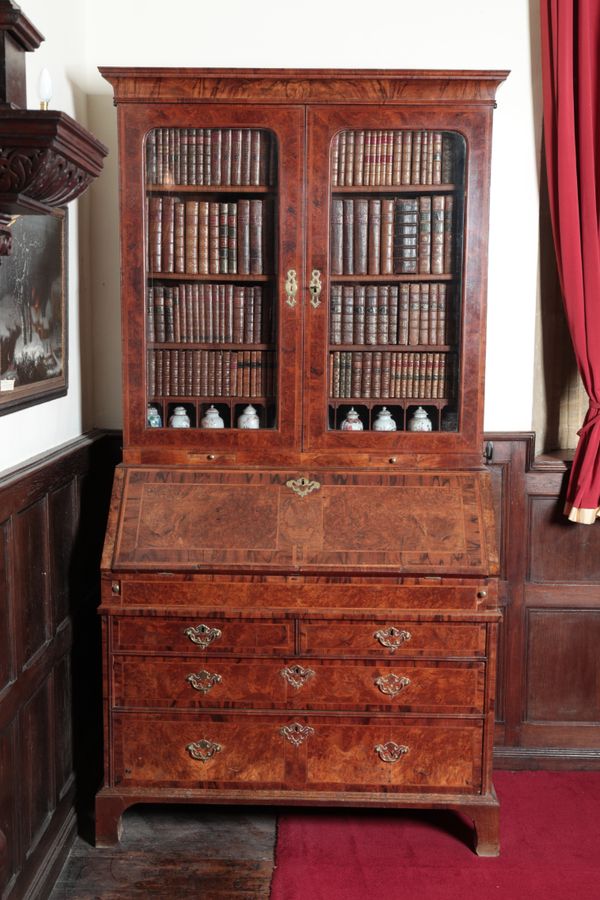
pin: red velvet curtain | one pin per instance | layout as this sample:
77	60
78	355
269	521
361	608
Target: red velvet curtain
571	80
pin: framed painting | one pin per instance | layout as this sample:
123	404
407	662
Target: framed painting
33	312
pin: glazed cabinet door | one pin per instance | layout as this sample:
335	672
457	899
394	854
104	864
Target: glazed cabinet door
211	207
396	248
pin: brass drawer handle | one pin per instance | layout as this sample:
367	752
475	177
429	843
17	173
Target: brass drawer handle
392	684
203	750
391	752
393	638
315	287
302	486
203	681
203	635
296	733
296	675
291	287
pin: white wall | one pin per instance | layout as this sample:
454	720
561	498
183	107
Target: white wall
32	431
464	34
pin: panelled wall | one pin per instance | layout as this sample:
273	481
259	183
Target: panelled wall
52	518
52	521
549	679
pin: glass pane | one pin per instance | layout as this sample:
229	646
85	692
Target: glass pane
397	210
210	316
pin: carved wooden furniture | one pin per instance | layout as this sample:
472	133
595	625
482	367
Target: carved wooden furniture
46	158
300	613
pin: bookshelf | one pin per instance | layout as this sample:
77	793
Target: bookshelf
305	610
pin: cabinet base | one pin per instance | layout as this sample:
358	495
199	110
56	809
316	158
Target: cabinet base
483	809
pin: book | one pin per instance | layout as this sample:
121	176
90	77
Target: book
168	234
382	314
348	242
359	314
347	314
256	237
337	237
371	314
335	314
191	216
387	237
374	251
424	256
405	235
362	225
203	237
437	234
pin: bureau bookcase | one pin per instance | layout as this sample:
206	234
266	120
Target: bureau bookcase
299	606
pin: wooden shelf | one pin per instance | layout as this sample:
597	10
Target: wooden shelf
382	279
394	188
395	348
210	189
189	276
179	399
389	401
205	345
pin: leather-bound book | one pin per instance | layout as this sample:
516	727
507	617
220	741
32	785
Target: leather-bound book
337	237
335	314
371	314
387	236
374	251
203	237
243	237
348	244
223	238
405	235
232	238
168	234
213	238
383	316
413	314
191	215
347	314
424	315
359	313
437	234
424	259
256	237
403	313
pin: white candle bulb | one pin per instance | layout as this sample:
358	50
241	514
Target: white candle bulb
45	88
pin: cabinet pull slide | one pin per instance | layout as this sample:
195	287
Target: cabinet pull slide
291	287
296	733
203	635
203	681
315	288
391	752
203	750
297	676
392	684
392	638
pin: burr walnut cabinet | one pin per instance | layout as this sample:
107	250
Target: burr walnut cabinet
299	585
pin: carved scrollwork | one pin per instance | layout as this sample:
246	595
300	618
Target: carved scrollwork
392	638
297	676
302	486
296	733
203	750
391	752
203	681
203	635
392	684
45	176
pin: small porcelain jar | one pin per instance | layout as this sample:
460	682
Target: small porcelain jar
352	422
419	421
212	419
384	421
180	418
248	418
153	417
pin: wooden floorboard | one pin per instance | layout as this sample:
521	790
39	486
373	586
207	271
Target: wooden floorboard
176	853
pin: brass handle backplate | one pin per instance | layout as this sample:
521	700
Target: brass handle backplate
297	676
203	635
392	684
291	287
203	681
391	752
392	638
315	288
203	750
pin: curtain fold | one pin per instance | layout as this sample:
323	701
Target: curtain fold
570	35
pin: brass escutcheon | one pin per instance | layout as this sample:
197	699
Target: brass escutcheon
302	486
296	675
315	288
291	287
392	684
296	733
203	635
392	638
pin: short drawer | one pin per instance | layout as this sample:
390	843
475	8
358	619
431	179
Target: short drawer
202	635
450	688
296	752
392	638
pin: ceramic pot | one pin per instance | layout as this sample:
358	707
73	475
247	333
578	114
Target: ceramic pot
352	422
384	421
248	418
212	419
180	418
419	421
153	417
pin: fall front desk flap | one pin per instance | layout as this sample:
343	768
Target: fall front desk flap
289	521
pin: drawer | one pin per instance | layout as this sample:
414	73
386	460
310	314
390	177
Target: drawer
202	635
291	753
450	688
392	638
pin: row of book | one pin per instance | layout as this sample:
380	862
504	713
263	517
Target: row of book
202	237
393	158
408	314
208	313
211	373
387	236
210	156
387	374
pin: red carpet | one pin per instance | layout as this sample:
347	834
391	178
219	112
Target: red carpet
550	848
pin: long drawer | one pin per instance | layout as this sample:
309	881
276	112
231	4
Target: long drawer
197	751
450	688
